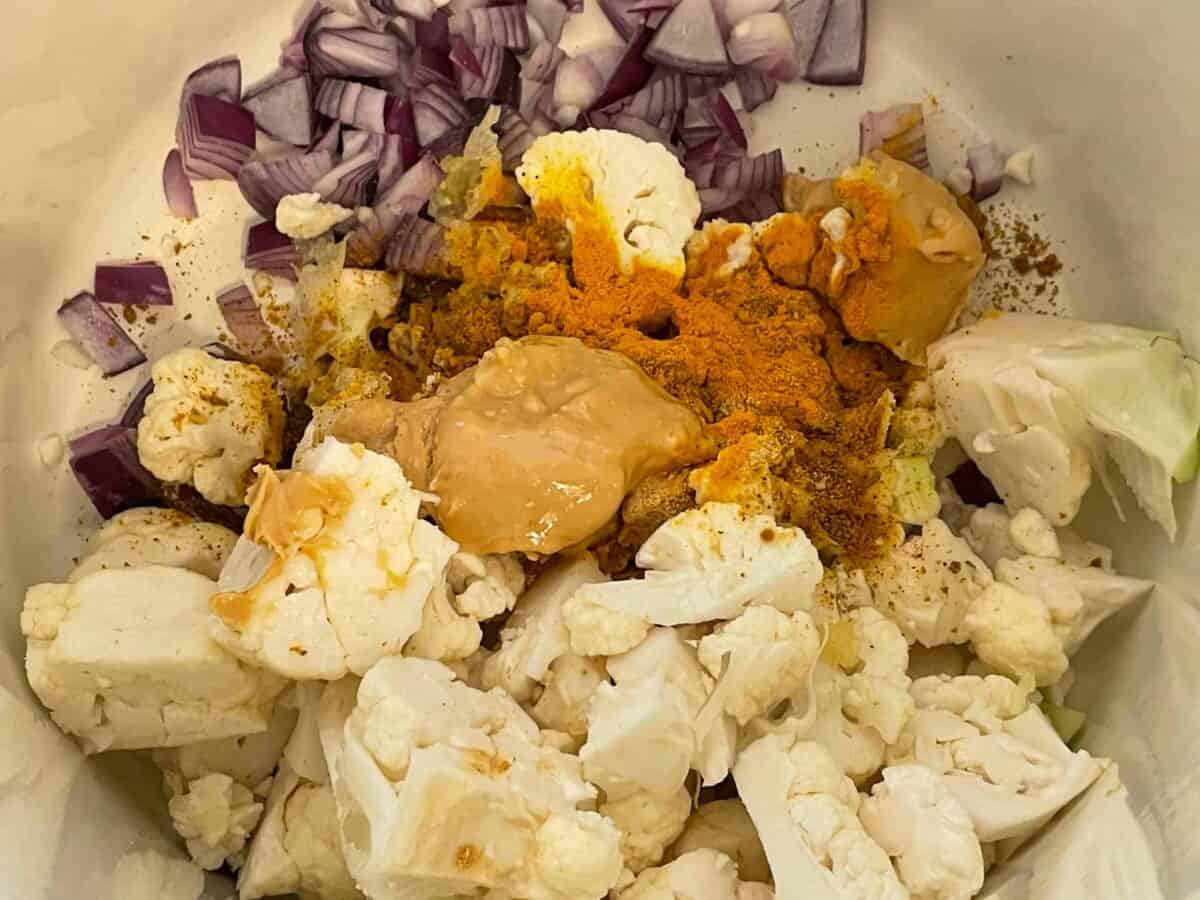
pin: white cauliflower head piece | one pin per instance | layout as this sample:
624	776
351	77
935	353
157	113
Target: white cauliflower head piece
485	586
915	818
634	189
123	660
335	568
648	824
725	825
769	656
702	565
699	875
1012	633
305	216
215	816
563	704
444	790
806	812
157	537
209	422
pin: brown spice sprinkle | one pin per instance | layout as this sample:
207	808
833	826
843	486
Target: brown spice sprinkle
756	354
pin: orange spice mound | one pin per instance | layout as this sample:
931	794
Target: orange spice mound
800	409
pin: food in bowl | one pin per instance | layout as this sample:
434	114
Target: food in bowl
549	545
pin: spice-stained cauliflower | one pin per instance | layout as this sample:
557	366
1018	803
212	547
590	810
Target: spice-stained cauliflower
645	732
156	537
612	182
703	565
806	812
718	249
769	657
208	422
122	659
725	825
699	875
304	216
443	790
648	824
335	569
1001	759
915	818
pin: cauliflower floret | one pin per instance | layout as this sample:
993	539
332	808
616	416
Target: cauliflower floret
984	701
876	694
724	825
996	535
444	635
719	248
563	705
699	875
443	790
153	875
485	586
927	585
660	693
770	655
704	564
305	217
297	849
913	816
340	316
1078	598
335	569
805	811
1012	633
648	825
208	422
1010	780
216	816
122	659
634	189
157	537
535	635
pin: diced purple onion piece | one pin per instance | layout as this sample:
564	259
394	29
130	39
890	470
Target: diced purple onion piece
436	110
358	105
435	32
355	142
899	131
753	174
629	72
500	80
548	17
346	184
221	78
575	6
659	103
355	52
293	55
245	322
514	135
647	131
493	26
366	243
464	57
755	88
264	184
690	39
409	194
405	29
136	408
181	199
399	154
282	108
141	283
753	208
430	65
703	85
715	199
214	137
543	62
106	465
841	53
986	163
416	247
329	140
764	42
807	19
269	250
422	10
721	114
625	20
97	332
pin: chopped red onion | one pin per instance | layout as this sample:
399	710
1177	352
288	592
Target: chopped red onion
755	88
659	103
734	11
329	140
293	55
409	194
346	184
753	208
106	465
703	85
399	154
624	19
764	42
264	184
214	137
542	64
181	199
245	322
625	74
546	17
986	163
807	19
355	142
499	83
221	78
417	246
268	250
647	131
357	105
136	407
430	65
141	283
715	199
514	135
899	131
357	52
464	57
493	26
690	39
721	114
436	110
97	332
752	174
282	107
434	33
840	54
